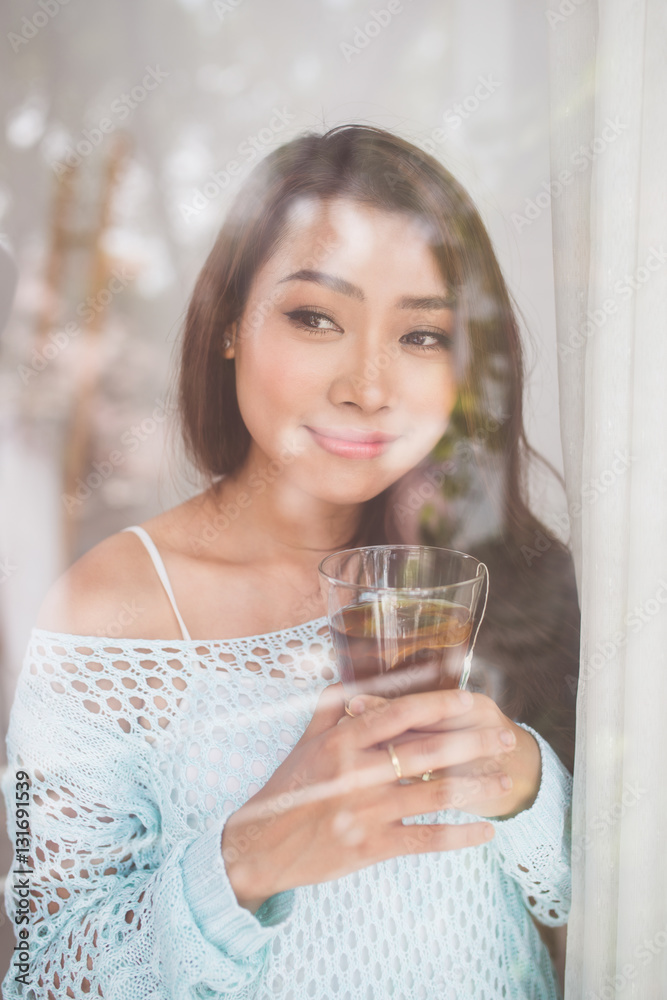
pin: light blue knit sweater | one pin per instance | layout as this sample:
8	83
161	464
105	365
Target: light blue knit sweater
137	752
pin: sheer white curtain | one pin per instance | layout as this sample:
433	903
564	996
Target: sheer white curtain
608	77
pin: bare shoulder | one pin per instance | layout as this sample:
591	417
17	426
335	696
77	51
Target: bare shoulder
222	587
112	590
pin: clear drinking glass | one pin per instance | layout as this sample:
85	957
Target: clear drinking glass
403	618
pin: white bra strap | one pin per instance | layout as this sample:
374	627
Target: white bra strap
161	571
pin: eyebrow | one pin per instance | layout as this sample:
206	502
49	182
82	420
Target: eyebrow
329	281
336	284
427	302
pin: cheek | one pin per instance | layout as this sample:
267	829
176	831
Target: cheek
431	397
272	382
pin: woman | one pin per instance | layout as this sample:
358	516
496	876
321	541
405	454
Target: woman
206	820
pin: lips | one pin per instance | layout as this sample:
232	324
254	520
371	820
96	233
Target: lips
351	442
351	434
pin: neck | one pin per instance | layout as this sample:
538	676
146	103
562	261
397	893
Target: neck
275	518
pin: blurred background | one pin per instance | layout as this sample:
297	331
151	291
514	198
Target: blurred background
127	128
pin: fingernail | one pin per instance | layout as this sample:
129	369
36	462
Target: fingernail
357	706
465	698
489	832
507	738
506	782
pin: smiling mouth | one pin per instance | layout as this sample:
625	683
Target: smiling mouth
350	442
351	434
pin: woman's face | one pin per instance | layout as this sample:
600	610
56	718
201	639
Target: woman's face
344	366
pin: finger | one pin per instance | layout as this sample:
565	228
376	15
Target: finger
484	712
422	838
329	709
446	793
488	767
441	750
381	719
366	703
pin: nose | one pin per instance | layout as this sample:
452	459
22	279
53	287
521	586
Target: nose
365	379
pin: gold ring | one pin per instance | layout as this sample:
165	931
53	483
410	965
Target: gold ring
394	760
426	776
350	713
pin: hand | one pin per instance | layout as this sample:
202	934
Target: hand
335	805
467	748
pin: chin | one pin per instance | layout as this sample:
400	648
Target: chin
337	491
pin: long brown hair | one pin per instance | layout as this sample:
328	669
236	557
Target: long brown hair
379	169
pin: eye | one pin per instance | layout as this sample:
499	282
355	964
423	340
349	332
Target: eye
312	319
428	340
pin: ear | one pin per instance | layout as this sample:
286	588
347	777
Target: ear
229	341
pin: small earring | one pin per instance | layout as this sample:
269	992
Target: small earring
227	343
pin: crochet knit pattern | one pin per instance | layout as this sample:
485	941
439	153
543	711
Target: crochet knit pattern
137	753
